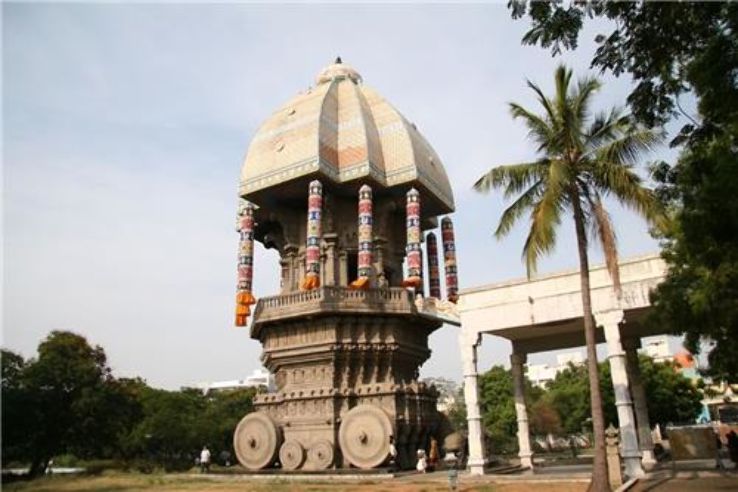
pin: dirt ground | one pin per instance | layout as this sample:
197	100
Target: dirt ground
688	484
122	482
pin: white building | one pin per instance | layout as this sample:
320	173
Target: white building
658	349
260	377
540	374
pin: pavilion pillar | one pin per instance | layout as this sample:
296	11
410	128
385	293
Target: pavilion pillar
517	360
638	392
610	322
468	343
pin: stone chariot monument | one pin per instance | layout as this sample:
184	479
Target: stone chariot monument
344	188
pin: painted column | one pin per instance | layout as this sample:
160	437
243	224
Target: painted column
468	343
449	259
638	392
434	278
314	234
610	322
412	250
517	360
244	295
364	234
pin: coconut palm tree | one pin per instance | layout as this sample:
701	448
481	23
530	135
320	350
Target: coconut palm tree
583	158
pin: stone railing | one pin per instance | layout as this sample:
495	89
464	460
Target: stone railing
334	299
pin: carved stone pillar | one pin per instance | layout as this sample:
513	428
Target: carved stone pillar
638	392
343	268
610	321
380	247
468	343
517	360
290	255
329	267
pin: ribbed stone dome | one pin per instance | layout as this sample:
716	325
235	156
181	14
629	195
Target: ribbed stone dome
343	132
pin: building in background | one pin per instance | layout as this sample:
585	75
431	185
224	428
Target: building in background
540	374
258	378
658	349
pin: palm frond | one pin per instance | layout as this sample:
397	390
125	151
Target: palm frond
602	229
605	127
514	178
538	129
545	102
621	181
512	213
629	148
546	215
586	87
562	78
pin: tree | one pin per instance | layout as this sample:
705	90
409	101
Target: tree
65	392
544	418
497	406
177	424
170	432
672	398
16	420
669	50
569	395
699	296
583	159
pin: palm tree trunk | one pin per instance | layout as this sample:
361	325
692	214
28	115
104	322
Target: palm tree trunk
600	481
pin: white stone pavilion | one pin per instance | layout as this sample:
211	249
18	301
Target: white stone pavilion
545	313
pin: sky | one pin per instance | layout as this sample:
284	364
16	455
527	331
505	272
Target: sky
124	130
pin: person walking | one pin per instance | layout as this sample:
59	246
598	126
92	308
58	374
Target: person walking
205	460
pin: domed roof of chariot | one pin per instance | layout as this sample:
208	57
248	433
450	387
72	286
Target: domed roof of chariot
345	134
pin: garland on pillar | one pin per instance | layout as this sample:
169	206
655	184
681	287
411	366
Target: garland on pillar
364	260
414	261
314	233
449	259
434	277
244	296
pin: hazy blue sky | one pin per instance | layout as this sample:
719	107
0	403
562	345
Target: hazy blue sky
124	131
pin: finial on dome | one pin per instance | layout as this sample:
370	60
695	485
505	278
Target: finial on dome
339	70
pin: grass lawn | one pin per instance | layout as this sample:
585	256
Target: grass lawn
120	482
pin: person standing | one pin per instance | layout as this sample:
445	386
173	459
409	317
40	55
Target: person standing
205	460
392	453
434	455
422	462
732	439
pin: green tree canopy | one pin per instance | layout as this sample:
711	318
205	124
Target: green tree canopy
672	398
668	48
64	401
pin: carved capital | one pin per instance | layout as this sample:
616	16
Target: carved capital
518	358
609	318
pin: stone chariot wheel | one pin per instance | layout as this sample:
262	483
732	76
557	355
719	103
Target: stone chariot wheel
256	441
291	455
320	454
364	436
